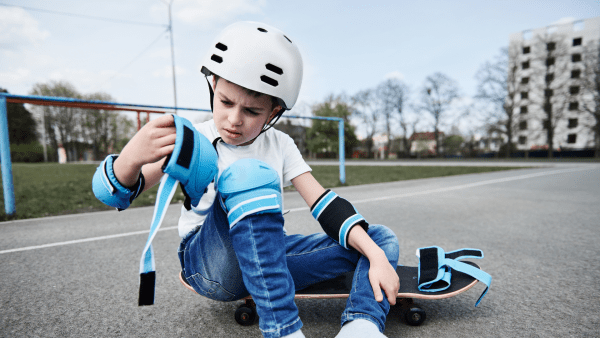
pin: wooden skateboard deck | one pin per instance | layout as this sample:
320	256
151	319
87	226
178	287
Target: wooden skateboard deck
339	287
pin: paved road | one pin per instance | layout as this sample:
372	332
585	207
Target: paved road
539	229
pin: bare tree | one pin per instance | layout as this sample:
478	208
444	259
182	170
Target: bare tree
105	130
498	87
392	95
365	107
61	123
590	84
437	95
552	87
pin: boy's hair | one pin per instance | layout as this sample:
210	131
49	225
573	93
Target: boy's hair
253	93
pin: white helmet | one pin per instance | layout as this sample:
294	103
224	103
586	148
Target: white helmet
258	57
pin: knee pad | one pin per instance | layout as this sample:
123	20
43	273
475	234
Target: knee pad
193	161
247	187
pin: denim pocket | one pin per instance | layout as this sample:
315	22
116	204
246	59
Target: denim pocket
210	289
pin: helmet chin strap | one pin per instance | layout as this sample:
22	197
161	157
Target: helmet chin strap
212	93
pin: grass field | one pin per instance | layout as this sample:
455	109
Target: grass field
58	189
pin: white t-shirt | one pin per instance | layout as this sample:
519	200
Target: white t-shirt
273	147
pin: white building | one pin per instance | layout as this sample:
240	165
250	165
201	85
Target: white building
550	66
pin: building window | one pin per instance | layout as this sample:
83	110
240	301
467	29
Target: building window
523	109
524	95
525	80
523	125
526	50
576	57
549	77
572	138
577	42
551	46
573	105
522	140
549	61
575	73
525	65
572	123
548	92
574	90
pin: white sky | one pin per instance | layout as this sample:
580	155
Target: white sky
347	45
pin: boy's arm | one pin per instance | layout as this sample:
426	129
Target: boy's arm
118	180
381	273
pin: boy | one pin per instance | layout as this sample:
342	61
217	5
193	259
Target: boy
233	241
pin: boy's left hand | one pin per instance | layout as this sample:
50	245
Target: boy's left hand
382	275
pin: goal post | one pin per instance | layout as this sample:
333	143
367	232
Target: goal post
5	98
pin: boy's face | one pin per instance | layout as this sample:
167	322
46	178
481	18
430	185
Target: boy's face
240	117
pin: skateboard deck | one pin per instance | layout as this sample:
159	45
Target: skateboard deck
339	287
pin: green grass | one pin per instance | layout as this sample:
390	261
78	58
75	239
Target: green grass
58	189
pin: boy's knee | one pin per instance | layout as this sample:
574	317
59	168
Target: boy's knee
249	187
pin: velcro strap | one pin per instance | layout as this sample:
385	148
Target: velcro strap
165	193
435	268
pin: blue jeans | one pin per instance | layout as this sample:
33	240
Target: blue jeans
257	258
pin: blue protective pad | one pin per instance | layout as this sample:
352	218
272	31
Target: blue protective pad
193	162
435	268
109	190
247	187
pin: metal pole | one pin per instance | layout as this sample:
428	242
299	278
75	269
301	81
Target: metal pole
7	178
342	152
172	58
44	135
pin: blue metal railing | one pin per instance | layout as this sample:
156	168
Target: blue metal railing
7	177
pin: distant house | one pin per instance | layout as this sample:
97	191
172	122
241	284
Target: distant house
423	144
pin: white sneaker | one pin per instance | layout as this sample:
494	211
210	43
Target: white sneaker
297	334
360	328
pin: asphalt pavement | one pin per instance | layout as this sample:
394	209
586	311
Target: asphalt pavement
539	228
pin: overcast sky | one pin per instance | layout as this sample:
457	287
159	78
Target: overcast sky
346	46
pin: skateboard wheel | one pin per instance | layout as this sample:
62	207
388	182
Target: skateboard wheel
245	315
415	316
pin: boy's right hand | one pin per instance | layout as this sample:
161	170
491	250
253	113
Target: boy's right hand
152	143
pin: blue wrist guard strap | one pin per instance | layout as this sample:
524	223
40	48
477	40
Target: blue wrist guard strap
109	190
435	268
193	163
337	216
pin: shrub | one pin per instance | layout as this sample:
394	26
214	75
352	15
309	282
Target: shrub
31	152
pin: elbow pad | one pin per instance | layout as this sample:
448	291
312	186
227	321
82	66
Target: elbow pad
109	190
337	216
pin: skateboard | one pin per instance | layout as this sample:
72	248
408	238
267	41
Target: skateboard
339	287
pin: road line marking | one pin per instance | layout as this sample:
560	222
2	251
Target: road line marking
410	194
84	240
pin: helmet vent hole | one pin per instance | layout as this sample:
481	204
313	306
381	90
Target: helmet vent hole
269	81
221	46
287	39
262	30
274	69
216	58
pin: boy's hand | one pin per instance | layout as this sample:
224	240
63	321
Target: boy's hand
153	142
382	275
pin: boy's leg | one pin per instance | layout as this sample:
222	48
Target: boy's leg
259	243
212	255
317	257
249	190
208	260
